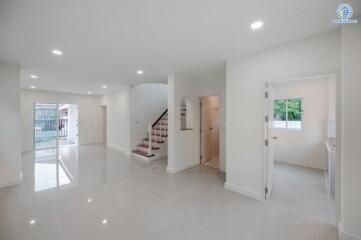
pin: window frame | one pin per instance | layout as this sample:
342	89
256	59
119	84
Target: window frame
286	121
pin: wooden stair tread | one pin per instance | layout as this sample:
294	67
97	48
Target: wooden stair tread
153	140
147	146
156	134
140	152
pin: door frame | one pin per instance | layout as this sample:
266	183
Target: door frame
57	125
268	82
268	145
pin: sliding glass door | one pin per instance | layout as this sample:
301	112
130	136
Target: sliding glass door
46	126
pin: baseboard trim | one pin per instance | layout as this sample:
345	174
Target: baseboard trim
345	235
180	169
242	191
13	181
128	153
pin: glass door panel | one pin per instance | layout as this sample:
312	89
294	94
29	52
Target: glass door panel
45	126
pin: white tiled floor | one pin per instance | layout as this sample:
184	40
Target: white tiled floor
302	190
142	202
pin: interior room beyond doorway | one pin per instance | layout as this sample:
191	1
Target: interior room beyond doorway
210	131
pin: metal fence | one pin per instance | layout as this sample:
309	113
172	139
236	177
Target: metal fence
63	127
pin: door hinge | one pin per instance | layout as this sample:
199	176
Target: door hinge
266	118
266	94
266	142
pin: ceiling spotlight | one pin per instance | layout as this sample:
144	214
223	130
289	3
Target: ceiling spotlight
90	200
256	25
33	77
104	221
32	86
140	72
32	221
89	92
57	52
104	86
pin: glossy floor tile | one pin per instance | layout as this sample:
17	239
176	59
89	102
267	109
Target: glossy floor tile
302	190
93	192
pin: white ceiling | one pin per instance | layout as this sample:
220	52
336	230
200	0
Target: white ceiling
105	42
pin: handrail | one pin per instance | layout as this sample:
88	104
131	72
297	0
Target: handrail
155	123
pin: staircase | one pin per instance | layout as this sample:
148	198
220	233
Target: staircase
154	145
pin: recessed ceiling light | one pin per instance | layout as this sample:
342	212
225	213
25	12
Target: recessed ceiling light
32	86
256	25
57	52
89	92
140	72
33	77
32	221
104	86
90	200
104	221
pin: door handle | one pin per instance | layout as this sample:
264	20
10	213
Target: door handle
275	137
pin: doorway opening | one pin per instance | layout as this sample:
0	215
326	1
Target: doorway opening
209	137
54	125
300	150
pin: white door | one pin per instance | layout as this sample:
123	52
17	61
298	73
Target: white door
269	145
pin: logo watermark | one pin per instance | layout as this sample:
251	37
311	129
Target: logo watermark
344	13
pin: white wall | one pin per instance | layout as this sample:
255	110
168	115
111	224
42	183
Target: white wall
246	78
118	119
89	115
147	103
351	132
10	137
73	123
184	146
304	147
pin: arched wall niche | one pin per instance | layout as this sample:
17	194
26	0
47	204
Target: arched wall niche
186	113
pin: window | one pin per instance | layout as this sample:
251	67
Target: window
287	113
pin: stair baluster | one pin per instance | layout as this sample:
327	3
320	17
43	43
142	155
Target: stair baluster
150	140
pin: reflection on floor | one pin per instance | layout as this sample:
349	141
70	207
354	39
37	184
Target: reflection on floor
50	172
214	162
116	197
303	190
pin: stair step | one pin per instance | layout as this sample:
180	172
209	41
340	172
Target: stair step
147	146
153	140
140	152
163	129
156	134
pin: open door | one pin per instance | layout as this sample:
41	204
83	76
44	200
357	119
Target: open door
269	138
